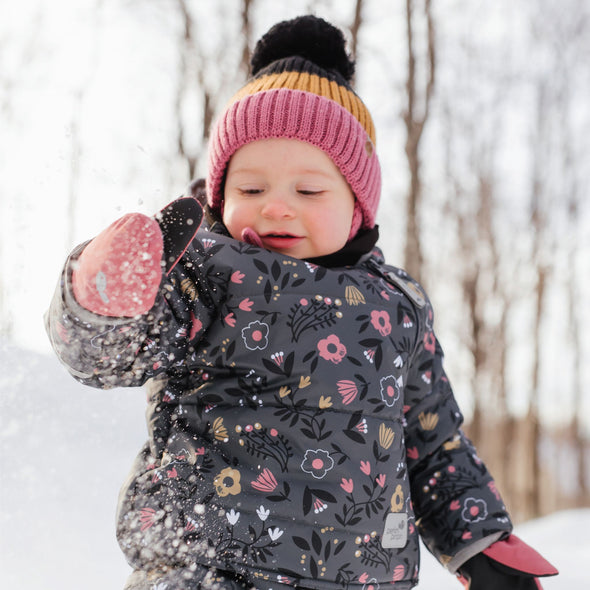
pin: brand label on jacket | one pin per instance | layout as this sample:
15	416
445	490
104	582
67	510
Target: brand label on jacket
395	533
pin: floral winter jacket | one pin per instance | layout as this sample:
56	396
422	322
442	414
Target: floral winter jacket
302	430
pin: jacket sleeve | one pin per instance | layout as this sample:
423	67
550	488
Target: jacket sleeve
459	511
105	352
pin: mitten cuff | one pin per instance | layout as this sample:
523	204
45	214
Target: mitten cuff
477	547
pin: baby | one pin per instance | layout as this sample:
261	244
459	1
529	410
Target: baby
302	430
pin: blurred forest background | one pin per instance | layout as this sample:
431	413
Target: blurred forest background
482	112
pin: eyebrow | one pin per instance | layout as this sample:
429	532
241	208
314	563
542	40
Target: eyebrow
310	171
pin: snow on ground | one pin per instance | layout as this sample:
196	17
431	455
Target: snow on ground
65	450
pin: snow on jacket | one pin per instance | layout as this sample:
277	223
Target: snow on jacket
302	430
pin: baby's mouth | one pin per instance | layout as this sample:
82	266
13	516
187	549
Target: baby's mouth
274	240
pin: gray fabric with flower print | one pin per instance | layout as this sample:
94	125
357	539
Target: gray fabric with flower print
293	409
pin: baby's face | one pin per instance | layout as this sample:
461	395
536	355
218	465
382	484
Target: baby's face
291	194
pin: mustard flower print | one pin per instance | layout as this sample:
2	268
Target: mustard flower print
428	421
390	390
331	349
353	296
255	335
381	322
219	430
227	482
386	436
317	462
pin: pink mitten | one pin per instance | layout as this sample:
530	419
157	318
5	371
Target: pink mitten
509	564
119	271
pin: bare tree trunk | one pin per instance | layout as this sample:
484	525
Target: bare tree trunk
539	223
192	76
246	36
187	51
355	28
415	123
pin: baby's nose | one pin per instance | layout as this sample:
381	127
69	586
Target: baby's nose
277	207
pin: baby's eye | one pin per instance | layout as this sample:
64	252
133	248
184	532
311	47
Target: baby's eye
309	191
251	191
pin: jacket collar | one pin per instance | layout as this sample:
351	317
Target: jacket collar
362	244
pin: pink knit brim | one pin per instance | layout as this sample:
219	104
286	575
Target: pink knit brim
304	116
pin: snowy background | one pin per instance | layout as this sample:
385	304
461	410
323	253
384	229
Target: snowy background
86	95
65	450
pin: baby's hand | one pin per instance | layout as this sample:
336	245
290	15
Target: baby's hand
119	272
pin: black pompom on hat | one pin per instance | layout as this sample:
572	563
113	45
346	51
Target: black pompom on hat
309	37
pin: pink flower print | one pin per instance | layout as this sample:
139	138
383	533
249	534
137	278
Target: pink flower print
429	342
196	326
278	358
172	473
399	573
208	242
413	453
494	489
317	462
331	349
62	332
380	479
191	525
363	577
319	506
362	426
466	535
385	295
365	467
147	517
230	319
407	321
369	354
371	584
381	322
265	482
474	510
347	485
237	277
348	390
255	335
246	304
391	390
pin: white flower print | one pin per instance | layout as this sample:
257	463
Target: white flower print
262	513
275	533
233	516
255	335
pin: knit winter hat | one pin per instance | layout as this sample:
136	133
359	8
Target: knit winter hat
300	89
